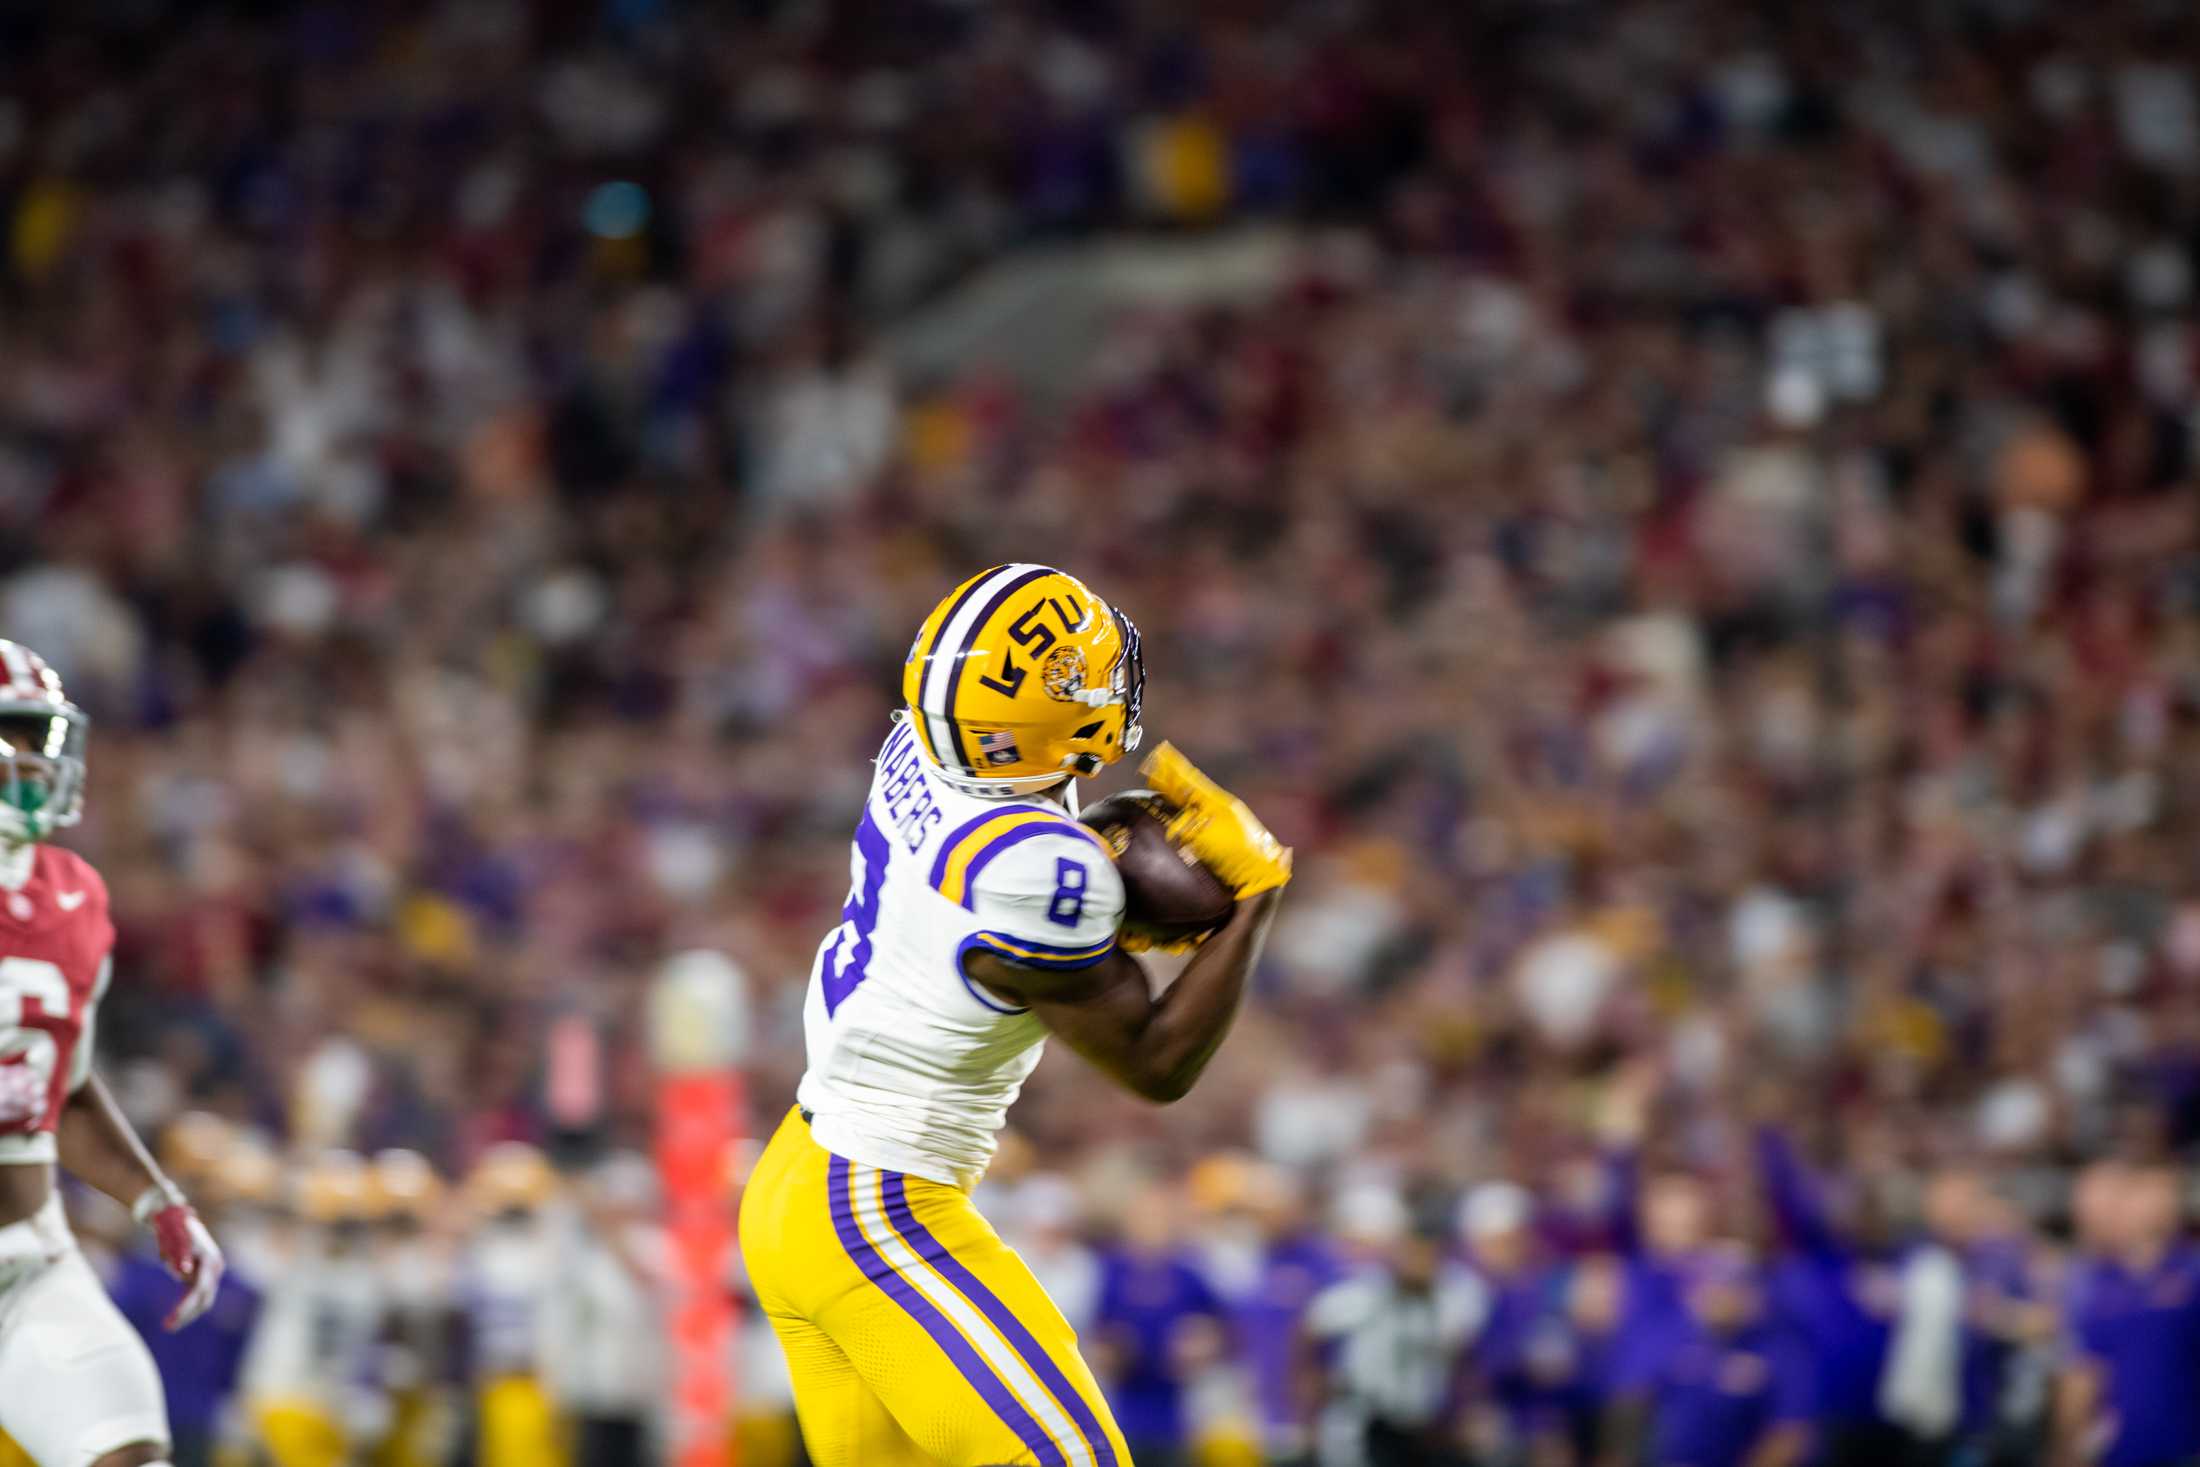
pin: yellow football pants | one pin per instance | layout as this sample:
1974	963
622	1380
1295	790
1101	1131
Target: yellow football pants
518	1427
913	1334
416	1431
297	1433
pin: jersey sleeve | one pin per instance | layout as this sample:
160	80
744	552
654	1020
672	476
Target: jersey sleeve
80	1060
1052	899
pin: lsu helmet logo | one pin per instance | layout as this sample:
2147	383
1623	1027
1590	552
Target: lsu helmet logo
1063	674
1020	676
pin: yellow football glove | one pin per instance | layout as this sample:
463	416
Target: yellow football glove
1135	941
1217	826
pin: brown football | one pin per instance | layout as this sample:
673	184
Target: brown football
1167	893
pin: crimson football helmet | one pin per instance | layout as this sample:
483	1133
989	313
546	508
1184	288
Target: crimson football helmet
42	738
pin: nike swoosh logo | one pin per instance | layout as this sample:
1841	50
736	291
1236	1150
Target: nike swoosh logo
69	901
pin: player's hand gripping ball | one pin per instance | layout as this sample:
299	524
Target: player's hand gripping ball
1171	901
1217	827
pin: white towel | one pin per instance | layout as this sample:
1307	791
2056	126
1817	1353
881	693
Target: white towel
1921	1385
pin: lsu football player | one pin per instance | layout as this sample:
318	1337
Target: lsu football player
981	918
77	1387
413	1260
312	1381
505	1282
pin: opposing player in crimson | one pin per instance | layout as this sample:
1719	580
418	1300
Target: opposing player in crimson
77	1388
982	917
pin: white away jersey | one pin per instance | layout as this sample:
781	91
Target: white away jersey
912	1067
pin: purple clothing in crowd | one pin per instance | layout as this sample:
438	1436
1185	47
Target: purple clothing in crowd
1838	1298
2141	1329
1145	1303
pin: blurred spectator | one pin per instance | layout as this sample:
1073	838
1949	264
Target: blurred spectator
2134	1314
1156	1324
1840	1288
1393	1342
606	1370
1294	1261
1728	1385
1528	1362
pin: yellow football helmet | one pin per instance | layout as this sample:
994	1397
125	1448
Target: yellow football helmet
404	1186
194	1147
251	1174
511	1175
1022	676
333	1189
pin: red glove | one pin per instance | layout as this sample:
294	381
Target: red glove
187	1250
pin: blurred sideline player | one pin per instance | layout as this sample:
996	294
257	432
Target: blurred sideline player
981	918
311	1376
607	1371
412	1259
505	1280
77	1386
259	1220
258	1225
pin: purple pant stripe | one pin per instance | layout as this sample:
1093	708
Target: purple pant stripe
937	1325
932	1251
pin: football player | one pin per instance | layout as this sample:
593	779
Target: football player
412	1256
313	1383
506	1278
77	1387
982	917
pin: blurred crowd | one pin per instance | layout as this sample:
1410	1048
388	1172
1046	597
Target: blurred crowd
1700	556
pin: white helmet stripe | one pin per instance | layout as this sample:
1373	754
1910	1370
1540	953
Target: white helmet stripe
943	736
946	648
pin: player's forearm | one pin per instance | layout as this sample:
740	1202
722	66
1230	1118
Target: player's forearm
99	1147
1191	1019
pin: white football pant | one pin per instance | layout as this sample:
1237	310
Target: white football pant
76	1382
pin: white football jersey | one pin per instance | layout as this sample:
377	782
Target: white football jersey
912	1067
319	1333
